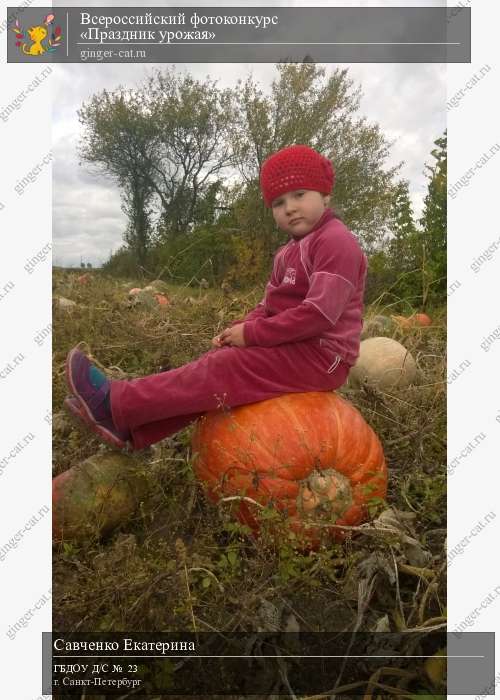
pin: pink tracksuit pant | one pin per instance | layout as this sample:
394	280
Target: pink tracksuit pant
158	405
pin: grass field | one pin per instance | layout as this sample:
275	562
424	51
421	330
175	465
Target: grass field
182	563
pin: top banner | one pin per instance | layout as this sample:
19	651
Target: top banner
238	34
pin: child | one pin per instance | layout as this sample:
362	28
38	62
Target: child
303	336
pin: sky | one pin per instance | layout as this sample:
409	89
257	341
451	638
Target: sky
408	101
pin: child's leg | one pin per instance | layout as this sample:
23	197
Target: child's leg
148	434
220	378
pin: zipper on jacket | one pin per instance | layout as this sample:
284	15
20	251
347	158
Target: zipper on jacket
334	366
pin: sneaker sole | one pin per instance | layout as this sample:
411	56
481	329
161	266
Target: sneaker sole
76	409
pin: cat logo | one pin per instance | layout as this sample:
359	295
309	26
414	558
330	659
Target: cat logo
38	35
289	276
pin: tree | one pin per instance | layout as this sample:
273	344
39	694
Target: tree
404	249
433	222
136	195
166	144
117	140
402	223
307	106
190	121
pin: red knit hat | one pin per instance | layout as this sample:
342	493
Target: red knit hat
295	168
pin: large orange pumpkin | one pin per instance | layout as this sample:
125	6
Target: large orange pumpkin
311	456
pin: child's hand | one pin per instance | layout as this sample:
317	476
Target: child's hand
216	342
233	336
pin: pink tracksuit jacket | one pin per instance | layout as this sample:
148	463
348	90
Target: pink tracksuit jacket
303	336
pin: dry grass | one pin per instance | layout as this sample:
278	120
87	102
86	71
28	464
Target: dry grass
182	564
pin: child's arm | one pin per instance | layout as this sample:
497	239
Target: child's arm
233	334
258	312
337	272
236	338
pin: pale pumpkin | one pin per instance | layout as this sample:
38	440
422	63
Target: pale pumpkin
93	497
64	304
147	298
384	363
310	456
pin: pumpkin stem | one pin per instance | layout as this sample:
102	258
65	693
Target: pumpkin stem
327	492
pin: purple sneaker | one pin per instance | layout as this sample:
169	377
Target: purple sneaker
91	388
107	433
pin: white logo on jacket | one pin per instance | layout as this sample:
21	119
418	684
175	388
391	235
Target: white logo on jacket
289	277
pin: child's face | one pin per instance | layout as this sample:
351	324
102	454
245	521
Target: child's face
296	212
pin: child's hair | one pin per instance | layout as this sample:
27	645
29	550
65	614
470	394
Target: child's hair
294	168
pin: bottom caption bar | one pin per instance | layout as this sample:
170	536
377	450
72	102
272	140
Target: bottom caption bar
422	662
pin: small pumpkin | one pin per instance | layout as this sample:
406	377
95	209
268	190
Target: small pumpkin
414	321
148	298
422	319
311	456
162	299
93	497
64	304
384	363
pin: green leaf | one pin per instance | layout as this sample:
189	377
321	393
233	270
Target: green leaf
232	557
